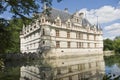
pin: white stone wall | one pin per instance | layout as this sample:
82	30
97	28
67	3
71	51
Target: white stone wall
84	36
63	33
63	44
22	45
53	32
72	34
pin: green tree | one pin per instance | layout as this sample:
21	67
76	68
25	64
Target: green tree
108	44
5	39
14	29
117	44
19	9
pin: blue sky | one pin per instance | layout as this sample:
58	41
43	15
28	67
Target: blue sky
72	5
108	12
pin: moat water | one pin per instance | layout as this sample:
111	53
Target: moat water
80	68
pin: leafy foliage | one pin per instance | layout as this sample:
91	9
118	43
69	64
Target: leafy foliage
22	8
108	44
117	44
112	44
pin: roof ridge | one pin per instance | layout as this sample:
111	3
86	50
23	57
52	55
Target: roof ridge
61	10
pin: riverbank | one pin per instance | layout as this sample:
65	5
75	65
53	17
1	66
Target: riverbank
108	53
19	56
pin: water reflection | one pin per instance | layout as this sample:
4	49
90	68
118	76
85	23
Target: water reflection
82	68
113	66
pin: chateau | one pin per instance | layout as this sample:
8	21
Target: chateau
61	34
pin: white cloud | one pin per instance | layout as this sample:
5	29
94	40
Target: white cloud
115	26
112	31
105	14
110	37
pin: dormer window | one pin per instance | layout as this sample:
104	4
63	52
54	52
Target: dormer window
68	24
58	21
77	20
42	20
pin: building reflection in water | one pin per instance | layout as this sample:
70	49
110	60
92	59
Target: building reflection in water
82	68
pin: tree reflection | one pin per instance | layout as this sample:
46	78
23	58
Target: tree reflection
111	60
1	64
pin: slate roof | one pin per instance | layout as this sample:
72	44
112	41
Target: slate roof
85	22
62	14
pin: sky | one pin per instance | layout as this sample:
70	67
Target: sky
106	11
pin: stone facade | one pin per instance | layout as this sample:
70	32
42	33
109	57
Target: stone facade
60	34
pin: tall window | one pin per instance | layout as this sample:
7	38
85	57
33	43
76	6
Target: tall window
87	36
34	44
79	35
94	37
95	45
57	44
43	31
57	33
68	44
68	34
88	45
79	44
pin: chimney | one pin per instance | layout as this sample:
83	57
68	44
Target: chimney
66	9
